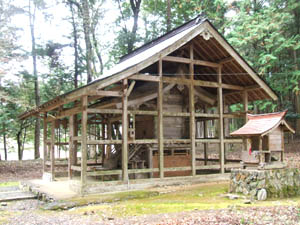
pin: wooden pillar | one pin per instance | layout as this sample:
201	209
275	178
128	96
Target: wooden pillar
282	145
160	121
84	103
261	156
75	143
103	138
245	105
221	121
71	146
52	153
45	143
125	131
205	136
109	137
192	114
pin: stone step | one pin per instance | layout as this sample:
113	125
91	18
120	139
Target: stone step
14	193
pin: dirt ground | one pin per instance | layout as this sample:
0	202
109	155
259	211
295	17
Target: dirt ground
30	212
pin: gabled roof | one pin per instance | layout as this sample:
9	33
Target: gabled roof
262	124
151	52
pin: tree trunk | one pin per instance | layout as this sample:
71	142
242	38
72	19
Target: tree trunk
135	7
87	39
75	38
297	97
19	142
4	142
36	80
168	15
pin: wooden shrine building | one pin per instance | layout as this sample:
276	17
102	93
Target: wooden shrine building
149	116
265	133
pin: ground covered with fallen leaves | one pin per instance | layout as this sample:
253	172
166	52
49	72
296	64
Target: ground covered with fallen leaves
200	204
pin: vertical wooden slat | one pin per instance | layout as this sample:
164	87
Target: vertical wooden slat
160	121
221	121
84	102
125	131
45	143
192	113
71	146
52	153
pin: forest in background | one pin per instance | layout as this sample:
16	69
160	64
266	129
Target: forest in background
95	33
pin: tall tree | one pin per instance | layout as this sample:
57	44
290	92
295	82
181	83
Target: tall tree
32	7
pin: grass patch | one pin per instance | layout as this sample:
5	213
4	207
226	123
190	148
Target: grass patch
9	184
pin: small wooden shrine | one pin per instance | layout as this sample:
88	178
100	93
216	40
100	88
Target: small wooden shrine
264	140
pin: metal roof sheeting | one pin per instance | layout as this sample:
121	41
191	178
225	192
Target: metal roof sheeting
261	124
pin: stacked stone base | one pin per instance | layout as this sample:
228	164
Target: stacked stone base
278	183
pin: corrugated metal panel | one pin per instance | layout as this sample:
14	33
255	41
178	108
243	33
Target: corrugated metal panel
259	124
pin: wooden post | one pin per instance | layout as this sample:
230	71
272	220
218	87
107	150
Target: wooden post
103	138
109	135
261	157
125	131
205	136
45	143
245	105
221	121
52	153
75	143
160	121
71	146
192	113
84	102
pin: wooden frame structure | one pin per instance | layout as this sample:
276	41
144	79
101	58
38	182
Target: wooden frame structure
193	60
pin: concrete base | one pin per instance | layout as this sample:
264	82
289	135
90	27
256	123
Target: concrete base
93	187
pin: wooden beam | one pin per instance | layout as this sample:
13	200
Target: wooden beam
160	135
188	61
105	93
221	122
192	112
52	153
130	88
226	60
65	113
144	77
204	98
84	103
125	131
245	105
45	142
202	83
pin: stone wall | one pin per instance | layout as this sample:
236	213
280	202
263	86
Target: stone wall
277	182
